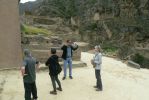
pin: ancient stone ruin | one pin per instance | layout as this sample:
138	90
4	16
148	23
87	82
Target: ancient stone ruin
10	37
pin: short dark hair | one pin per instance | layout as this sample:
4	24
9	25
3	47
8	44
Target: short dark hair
27	52
53	51
68	41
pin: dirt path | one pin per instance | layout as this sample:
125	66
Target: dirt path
119	81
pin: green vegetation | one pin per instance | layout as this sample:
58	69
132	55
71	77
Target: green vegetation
91	27
43	21
122	23
30	30
62	8
110	50
138	59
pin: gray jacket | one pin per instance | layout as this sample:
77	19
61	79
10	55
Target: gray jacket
97	60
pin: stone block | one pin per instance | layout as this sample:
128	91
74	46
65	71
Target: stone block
133	64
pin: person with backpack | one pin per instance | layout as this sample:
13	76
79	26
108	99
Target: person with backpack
54	70
29	75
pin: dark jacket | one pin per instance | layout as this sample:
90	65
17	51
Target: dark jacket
64	48
51	63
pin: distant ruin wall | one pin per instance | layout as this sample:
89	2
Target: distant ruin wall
10	37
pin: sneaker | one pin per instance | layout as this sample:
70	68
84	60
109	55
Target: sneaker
99	89
63	78
60	89
70	77
53	92
34	99
94	86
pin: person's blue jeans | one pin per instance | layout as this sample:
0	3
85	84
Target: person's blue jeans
68	62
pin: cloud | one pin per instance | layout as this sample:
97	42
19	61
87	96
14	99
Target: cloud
23	1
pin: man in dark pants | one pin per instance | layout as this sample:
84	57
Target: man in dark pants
68	49
29	75
99	82
52	63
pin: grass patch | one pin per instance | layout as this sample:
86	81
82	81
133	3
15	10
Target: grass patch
110	49
138	59
30	30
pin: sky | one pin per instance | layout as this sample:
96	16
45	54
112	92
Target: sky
23	1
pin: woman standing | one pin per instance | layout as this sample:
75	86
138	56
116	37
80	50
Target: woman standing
97	61
52	64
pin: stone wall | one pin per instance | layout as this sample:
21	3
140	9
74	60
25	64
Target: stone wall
10	37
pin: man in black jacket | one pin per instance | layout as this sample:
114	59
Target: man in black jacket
67	56
51	63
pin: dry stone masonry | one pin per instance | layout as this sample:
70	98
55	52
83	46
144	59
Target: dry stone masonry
10	37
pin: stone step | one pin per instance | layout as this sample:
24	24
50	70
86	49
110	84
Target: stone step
43	55
37	46
75	64
41	46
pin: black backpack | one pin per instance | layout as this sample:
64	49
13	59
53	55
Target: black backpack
58	67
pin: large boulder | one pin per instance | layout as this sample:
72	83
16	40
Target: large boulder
133	64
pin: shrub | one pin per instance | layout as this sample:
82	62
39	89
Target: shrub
138	59
30	30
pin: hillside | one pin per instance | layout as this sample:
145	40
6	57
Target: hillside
119	26
29	6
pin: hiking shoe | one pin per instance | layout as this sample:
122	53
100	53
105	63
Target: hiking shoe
60	89
94	86
99	89
34	99
53	92
63	78
70	77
